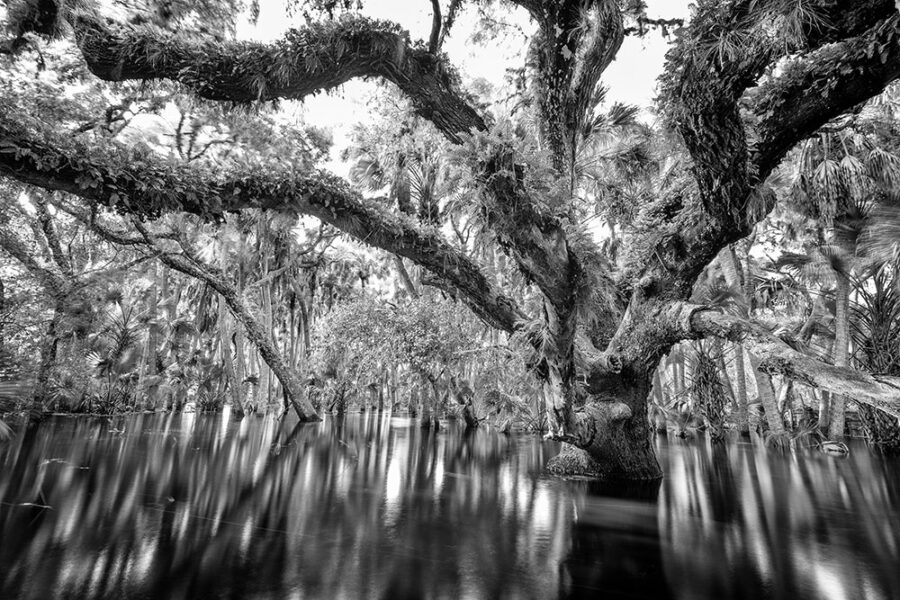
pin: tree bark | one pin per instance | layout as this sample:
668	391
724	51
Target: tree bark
736	280
49	345
240	371
2	318
225	334
848	59
743	420
836	419
618	446
255	331
880	392
766	392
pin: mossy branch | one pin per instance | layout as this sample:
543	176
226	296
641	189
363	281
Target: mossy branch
145	185
304	62
777	357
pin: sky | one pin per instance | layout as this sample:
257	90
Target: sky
631	78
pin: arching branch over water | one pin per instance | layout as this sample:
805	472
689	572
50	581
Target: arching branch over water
777	357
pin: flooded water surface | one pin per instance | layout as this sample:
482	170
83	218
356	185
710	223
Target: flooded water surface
199	506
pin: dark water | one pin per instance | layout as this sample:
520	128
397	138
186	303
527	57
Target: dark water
201	507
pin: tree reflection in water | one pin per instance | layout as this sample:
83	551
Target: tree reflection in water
738	523
201	507
198	506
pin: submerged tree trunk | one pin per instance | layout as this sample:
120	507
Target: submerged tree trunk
464	396
620	447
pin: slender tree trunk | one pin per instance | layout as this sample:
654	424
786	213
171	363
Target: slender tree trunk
49	345
734	277
405	278
2	317
677	372
740	376
766	392
237	405
254	330
153	315
265	387
718	349
227	358
841	352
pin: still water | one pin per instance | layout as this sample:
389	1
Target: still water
199	506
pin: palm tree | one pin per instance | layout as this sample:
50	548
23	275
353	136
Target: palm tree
115	354
839	175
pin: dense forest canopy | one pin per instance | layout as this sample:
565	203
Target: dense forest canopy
491	206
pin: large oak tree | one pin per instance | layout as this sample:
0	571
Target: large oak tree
745	81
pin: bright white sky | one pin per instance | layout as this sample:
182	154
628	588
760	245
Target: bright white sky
630	79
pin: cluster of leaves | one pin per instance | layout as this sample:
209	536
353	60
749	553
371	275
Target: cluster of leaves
361	338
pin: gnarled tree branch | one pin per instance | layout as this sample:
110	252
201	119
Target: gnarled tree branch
306	61
821	86
778	358
149	186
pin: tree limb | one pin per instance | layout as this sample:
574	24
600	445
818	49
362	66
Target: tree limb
146	185
777	357
821	86
306	61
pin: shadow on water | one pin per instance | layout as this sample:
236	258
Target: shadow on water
198	506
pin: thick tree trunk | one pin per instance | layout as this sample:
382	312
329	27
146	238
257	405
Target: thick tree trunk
620	446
